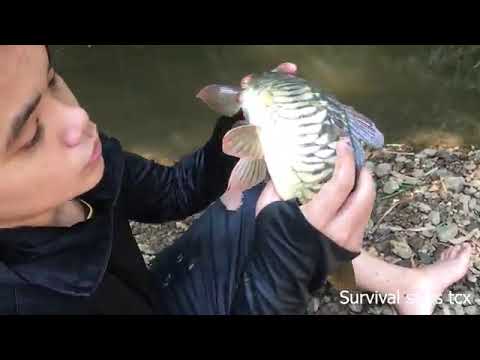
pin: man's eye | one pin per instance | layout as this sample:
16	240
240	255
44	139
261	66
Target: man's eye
35	139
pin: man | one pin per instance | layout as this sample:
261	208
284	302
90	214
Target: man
68	193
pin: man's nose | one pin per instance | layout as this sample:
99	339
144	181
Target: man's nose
77	126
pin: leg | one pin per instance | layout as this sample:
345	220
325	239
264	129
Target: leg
200	273
418	288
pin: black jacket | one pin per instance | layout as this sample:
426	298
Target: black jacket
95	267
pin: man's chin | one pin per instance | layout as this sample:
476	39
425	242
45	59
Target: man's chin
96	175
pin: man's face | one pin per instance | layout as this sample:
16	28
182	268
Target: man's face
46	139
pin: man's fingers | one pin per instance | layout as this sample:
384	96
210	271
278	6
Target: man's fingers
287	68
358	208
325	205
245	81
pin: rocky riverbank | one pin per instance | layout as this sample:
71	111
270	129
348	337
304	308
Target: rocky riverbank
428	200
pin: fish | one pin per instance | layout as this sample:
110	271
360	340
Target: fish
288	134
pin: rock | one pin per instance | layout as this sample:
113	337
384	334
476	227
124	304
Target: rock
470	166
428	164
425	258
446	310
455	184
388	311
401	248
427	233
435	217
418	173
375	310
383	169
475	184
416	243
401	159
476	262
370	165
459	309
444	154
443	172
313	305
477	301
424	208
472	278
181	226
447	233
390	187
470	190
356	308
430	152
471	310
472	203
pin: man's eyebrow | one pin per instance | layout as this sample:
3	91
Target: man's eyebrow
21	119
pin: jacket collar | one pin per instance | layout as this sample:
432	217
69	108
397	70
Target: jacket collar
67	260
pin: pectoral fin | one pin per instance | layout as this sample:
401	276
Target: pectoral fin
344	277
246	174
223	100
243	142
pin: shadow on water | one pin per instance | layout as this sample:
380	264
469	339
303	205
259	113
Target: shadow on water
145	95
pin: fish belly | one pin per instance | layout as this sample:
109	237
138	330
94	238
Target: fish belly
299	163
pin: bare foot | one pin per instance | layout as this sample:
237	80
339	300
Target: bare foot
429	283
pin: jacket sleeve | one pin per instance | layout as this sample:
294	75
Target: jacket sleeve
291	260
156	193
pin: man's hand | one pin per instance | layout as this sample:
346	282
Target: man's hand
286	68
336	211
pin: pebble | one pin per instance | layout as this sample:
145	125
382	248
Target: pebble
370	165
427	233
455	184
470	190
390	187
435	217
356	308
401	248
425	258
428	164
459	309
430	152
424	208
418	173
443	172
401	159
470	166
313	305
181	226
446	233
383	169
472	204
375	310
476	263
475	184
472	278
471	310
446	310
477	301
